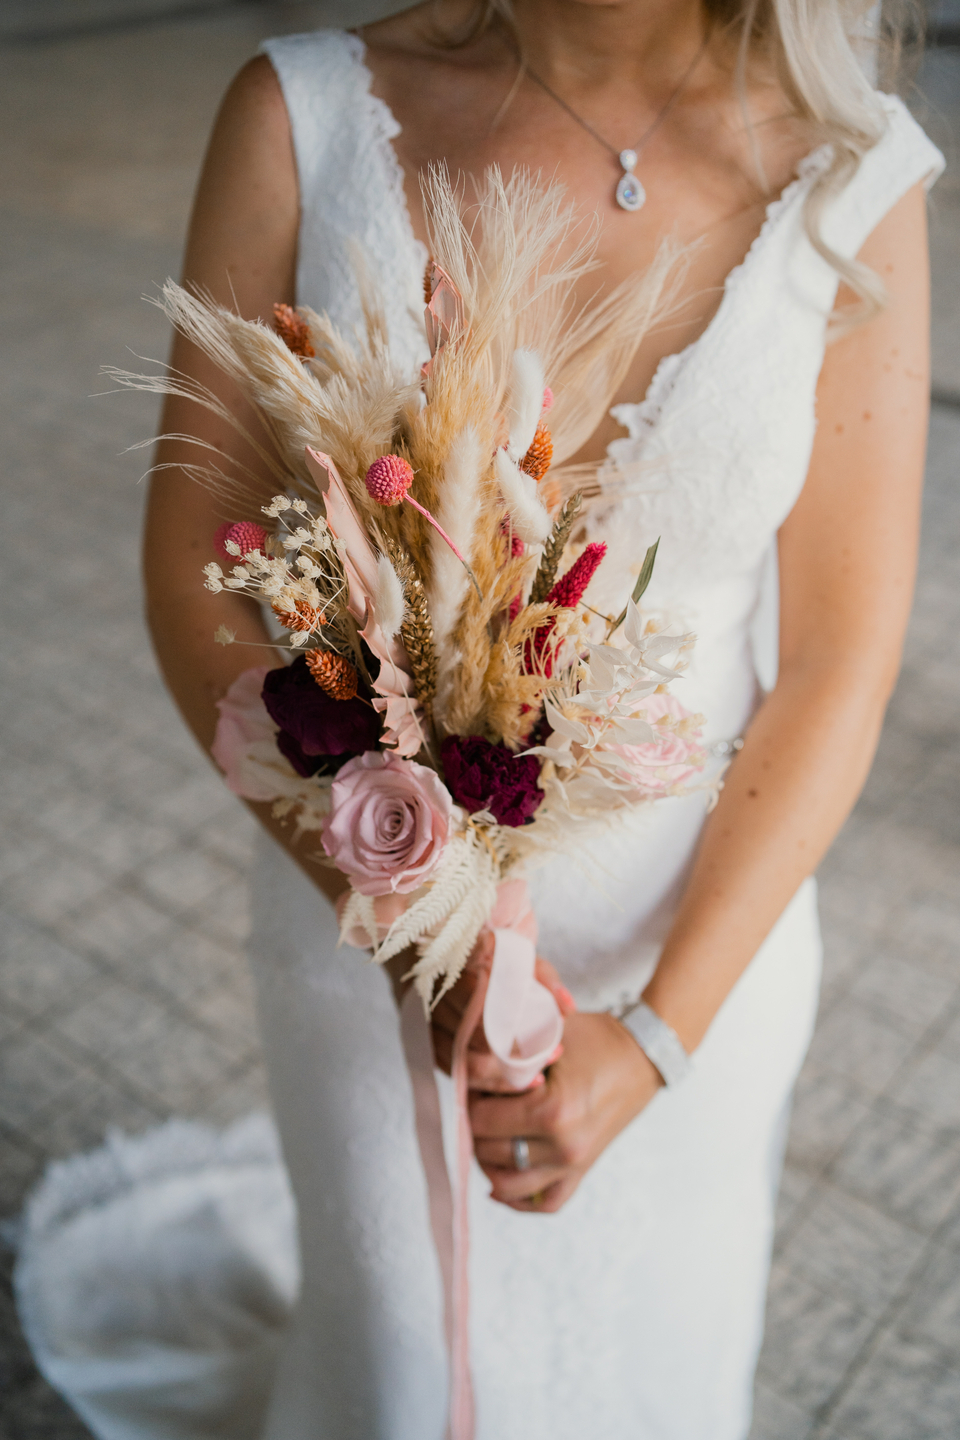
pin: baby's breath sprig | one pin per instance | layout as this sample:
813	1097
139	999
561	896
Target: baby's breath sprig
298	571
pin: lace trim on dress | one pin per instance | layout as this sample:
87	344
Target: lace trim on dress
640	418
124	1162
384	128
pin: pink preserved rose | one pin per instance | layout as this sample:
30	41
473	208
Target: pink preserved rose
671	759
243	722
389	823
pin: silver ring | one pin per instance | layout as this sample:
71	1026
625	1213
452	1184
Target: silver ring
521	1153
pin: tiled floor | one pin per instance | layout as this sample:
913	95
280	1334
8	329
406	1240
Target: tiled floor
123	994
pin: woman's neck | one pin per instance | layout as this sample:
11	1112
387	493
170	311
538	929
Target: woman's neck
581	45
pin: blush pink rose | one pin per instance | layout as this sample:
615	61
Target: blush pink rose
663	763
389	823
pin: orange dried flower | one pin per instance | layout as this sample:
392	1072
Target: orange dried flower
294	332
537	460
428	283
305	617
333	673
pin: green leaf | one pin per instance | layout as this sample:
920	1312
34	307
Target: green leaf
643	580
646	572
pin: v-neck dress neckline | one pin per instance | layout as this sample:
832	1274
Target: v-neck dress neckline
670	364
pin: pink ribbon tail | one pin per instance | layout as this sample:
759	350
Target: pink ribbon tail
523	1026
461	1421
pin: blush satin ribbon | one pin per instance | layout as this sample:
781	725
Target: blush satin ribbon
523	1027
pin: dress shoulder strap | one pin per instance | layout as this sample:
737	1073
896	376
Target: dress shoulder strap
352	203
902	157
325	86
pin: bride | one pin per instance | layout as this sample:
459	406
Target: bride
622	1211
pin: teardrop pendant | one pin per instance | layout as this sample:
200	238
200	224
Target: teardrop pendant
630	193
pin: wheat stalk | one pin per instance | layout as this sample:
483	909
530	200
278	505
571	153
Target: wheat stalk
546	574
416	630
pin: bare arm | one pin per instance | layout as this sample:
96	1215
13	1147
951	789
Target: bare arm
242	249
847	563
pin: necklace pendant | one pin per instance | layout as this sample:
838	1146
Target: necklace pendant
630	193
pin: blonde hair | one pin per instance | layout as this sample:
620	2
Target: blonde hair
821	52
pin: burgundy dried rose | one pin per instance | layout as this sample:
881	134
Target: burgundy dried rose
484	776
315	722
307	765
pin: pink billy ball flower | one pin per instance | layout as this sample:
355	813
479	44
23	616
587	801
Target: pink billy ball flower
389	479
244	534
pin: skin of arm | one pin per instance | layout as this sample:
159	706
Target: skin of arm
847	564
242	249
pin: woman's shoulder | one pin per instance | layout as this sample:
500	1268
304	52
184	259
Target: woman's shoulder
904	156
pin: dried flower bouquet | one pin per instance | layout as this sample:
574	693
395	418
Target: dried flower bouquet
451	708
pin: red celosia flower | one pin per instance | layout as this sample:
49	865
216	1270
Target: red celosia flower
569	590
566	594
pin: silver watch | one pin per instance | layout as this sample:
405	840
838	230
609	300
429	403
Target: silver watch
658	1041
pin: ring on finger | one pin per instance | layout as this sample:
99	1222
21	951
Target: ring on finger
521	1153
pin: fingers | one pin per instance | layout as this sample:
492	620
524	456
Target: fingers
447	1016
498	1155
550	980
512	1186
442	1050
549	1200
484	1071
553	1189
495	1117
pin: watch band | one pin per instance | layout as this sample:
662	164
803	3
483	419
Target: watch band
659	1042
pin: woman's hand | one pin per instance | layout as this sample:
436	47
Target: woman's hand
602	1080
484	1071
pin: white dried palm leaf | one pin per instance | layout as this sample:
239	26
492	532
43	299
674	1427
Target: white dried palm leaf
360	912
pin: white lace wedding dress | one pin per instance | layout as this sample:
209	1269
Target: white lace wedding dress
157	1278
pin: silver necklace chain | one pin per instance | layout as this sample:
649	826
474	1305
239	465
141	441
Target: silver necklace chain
629	194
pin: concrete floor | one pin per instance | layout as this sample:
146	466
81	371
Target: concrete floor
123	862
